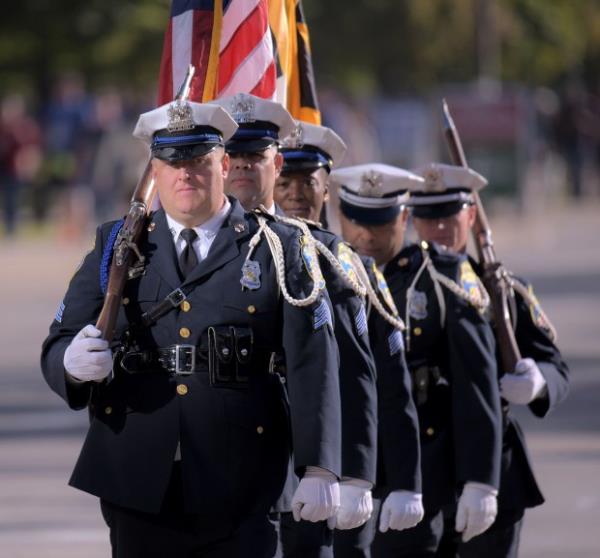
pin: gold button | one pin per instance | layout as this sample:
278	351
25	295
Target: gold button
185	332
151	226
417	331
108	410
403	262
182	389
260	429
125	300
251	309
185	306
424	245
429	431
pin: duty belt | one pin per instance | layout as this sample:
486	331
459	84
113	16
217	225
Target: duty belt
182	360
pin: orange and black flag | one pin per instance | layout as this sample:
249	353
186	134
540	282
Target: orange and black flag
295	77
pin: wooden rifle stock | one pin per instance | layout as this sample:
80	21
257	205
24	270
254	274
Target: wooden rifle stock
126	251
493	272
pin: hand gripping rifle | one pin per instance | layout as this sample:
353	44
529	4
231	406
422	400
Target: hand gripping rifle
494	275
127	256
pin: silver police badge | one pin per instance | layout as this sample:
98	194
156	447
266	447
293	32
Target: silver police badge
296	138
417	305
180	117
242	108
250	275
371	185
433	180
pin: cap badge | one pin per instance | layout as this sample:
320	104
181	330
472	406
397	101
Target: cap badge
296	138
433	180
371	185
180	117
242	108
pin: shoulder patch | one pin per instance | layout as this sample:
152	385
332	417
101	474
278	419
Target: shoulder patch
309	256
471	284
345	256
383	289
538	316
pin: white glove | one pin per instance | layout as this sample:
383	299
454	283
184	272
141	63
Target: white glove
401	510
477	509
526	384
88	358
317	497
356	505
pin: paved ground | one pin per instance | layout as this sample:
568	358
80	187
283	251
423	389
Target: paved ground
40	516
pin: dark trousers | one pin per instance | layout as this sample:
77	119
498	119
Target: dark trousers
501	540
302	539
422	541
356	543
176	534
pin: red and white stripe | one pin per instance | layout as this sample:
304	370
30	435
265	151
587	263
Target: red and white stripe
246	63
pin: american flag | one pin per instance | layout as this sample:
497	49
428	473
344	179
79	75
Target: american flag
234	50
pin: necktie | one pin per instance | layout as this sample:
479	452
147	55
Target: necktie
188	259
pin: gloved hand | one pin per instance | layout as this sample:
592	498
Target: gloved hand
88	358
477	509
402	509
356	505
317	497
525	384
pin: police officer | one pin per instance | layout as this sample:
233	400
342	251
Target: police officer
450	353
302	189
189	438
443	211
257	162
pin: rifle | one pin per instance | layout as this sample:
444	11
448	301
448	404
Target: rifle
494	275
127	259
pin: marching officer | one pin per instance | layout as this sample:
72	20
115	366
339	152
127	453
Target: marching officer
443	211
257	162
189	439
309	156
450	352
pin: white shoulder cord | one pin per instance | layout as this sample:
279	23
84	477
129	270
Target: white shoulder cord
395	321
531	301
356	286
481	305
409	295
277	252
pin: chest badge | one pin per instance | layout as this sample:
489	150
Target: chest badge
417	306
250	275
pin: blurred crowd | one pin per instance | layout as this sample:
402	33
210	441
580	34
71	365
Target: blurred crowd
71	159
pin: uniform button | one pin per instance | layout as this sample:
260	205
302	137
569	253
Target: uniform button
429	431
417	331
125	300
185	332
182	389
107	410
185	306
151	226
403	262
260	429
424	245
251	309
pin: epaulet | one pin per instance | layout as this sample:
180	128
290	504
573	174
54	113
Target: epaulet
538	316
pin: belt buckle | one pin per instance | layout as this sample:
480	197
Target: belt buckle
190	361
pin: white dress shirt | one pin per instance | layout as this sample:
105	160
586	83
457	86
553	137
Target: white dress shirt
206	232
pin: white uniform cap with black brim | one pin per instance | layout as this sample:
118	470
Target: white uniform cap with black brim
183	130
261	123
310	147
445	191
374	193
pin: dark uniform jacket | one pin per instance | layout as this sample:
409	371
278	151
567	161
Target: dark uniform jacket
518	486
399	454
234	442
454	375
357	377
